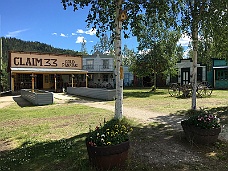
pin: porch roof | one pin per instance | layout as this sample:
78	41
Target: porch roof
220	67
48	70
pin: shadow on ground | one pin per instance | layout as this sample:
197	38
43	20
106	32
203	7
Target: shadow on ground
22	102
153	147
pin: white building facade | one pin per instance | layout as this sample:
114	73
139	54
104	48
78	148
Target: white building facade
185	71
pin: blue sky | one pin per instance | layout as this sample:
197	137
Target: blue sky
47	22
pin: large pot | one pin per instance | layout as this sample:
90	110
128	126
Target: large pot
108	157
199	135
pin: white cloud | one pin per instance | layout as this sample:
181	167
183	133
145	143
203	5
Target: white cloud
80	31
54	34
144	52
184	40
63	35
185	55
15	33
73	34
90	32
80	39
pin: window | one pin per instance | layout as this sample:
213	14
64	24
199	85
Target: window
89	64
222	75
105	64
105	77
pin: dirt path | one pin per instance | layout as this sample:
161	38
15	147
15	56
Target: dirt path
143	116
162	148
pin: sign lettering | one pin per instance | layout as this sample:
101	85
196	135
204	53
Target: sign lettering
69	63
45	61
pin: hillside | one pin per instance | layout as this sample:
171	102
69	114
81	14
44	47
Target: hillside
13	44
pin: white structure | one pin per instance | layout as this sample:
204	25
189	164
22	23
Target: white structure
128	77
185	70
100	69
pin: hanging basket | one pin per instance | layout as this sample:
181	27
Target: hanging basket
108	157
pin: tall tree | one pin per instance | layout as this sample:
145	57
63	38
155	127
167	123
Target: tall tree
158	42
105	45
128	56
121	15
202	15
83	47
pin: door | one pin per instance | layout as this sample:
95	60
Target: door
39	81
46	81
185	76
199	74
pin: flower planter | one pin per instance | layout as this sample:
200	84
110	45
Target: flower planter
108	157
199	135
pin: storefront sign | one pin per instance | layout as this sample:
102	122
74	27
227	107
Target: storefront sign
45	61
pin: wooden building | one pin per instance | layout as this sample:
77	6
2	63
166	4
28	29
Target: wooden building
219	73
44	71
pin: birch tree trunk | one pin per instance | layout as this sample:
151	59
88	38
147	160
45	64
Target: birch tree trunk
194	74
119	67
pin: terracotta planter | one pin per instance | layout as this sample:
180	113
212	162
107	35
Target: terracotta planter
108	157
199	135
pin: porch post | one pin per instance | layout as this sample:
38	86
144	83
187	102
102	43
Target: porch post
55	82
12	82
214	78
32	82
86	80
72	80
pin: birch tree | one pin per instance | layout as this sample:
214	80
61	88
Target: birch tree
202	15
118	16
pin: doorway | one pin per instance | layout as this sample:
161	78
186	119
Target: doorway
39	81
185	76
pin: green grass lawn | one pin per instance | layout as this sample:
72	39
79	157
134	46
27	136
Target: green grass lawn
161	101
50	138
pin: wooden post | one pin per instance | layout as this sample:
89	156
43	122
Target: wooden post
72	80
214	78
32	82
55	83
12	82
86	80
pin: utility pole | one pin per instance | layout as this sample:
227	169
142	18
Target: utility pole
120	16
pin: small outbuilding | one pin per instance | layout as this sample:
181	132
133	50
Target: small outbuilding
219	74
185	70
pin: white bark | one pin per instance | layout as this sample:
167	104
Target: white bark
119	79
194	74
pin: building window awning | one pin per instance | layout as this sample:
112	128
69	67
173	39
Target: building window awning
220	67
48	70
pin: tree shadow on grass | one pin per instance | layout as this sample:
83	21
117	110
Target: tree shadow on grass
221	112
137	94
153	147
64	154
